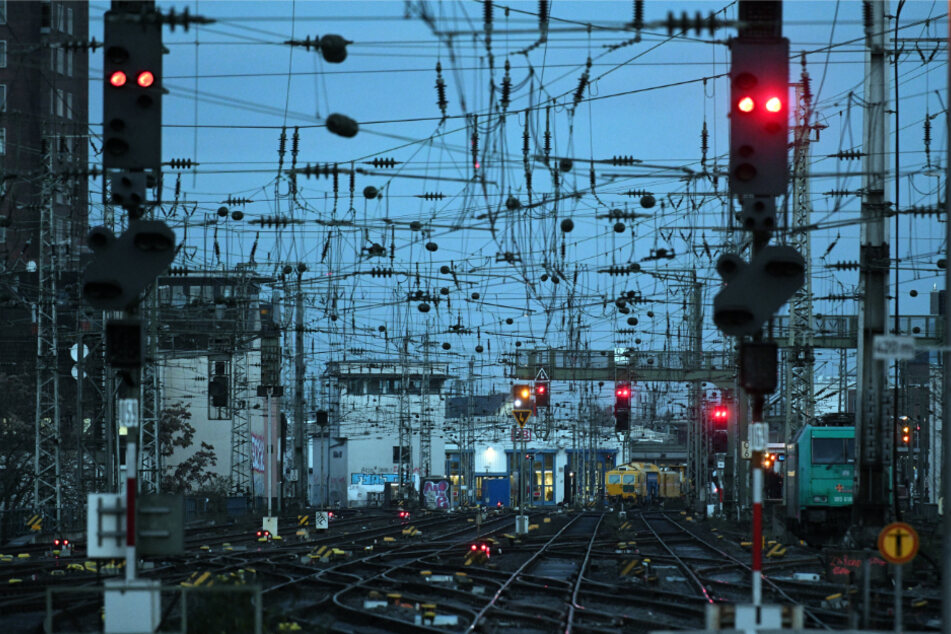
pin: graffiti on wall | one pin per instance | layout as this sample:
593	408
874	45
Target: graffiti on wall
257	453
373	478
436	494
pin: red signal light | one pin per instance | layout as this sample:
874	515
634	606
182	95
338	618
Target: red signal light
474	547
145	79
540	389
56	542
774	104
745	104
118	79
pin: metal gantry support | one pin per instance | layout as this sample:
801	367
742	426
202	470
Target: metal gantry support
47	485
800	355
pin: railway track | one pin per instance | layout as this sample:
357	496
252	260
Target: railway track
573	573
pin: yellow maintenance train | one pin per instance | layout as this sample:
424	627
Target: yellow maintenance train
643	482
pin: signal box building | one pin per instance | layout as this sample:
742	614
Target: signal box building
374	405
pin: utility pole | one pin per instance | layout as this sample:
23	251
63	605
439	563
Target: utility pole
468	447
871	509
299	463
404	430
696	456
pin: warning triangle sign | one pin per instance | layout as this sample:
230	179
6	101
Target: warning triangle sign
521	416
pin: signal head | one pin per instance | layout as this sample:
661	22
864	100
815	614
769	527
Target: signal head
745	104
145	79
118	79
774	104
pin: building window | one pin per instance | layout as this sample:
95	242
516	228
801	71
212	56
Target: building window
3	141
69	105
3	53
3	234
70	55
61	61
60	100
69	20
58	23
3	11
3	97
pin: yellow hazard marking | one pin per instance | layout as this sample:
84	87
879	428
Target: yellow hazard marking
203	578
626	569
23	556
833	597
427	606
205	547
461	574
78	567
14	580
35	522
547	520
920	603
303	520
533	527
90	566
425	573
389	539
772	551
277	538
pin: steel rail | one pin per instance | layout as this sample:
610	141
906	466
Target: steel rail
488	606
680	562
574	605
776	588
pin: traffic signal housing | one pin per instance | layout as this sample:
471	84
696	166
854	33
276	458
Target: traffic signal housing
755	291
622	396
541	394
720	417
123	267
759	116
132	91
521	396
622	406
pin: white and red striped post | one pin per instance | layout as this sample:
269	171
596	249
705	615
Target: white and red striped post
757	528
131	485
759	439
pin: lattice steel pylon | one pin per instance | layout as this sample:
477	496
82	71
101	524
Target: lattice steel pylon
425	420
150	457
240	421
47	489
800	358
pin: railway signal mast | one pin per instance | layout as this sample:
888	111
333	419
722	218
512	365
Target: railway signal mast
756	289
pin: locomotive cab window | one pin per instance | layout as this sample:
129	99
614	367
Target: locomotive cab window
833	450
614	479
629	479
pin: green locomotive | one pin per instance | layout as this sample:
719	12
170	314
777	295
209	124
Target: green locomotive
820	470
